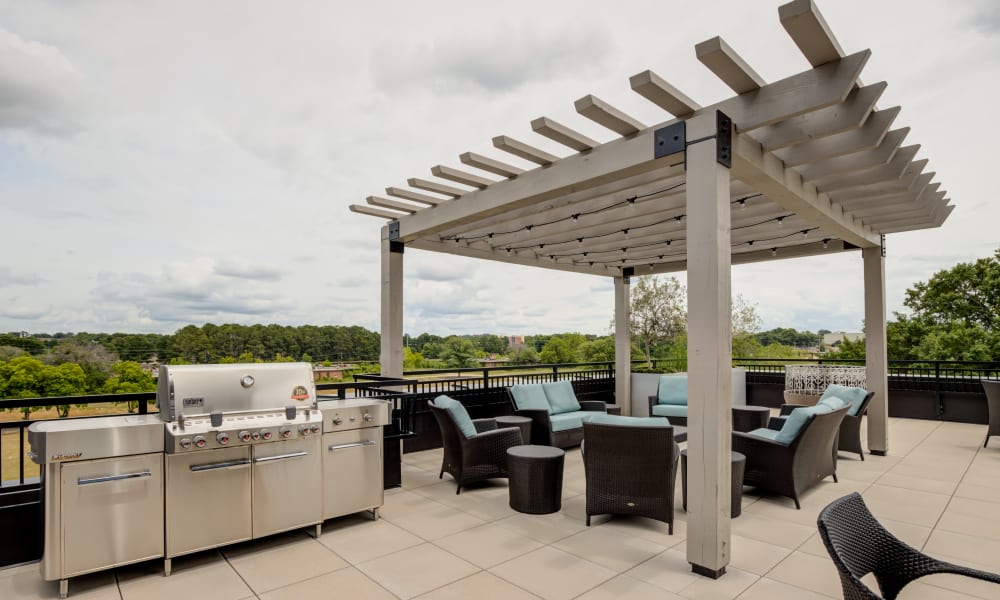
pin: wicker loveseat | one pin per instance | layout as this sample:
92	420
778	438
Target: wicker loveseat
556	415
850	427
671	399
792	454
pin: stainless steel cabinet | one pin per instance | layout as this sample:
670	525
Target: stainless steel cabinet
287	492
352	471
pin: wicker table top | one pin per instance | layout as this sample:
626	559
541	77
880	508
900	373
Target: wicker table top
528	451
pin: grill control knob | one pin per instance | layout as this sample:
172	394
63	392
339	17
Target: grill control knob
304	429
255	435
222	438
337	420
286	432
265	433
199	441
368	418
245	436
314	428
185	443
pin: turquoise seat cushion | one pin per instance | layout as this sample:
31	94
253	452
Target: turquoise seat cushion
795	422
629	421
673	390
458	414
670	410
573	420
834	402
854	395
561	397
764	432
529	397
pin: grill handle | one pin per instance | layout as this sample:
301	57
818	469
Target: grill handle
354	445
109	478
230	464
279	457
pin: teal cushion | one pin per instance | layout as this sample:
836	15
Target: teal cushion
629	421
794	423
458	414
670	410
529	397
561	397
764	432
834	402
565	421
673	390
854	395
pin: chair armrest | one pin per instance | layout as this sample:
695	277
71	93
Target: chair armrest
652	402
786	409
484	425
594	405
541	425
490	447
775	423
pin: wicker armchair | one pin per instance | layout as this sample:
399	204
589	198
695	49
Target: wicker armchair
630	471
858	545
474	459
792	469
850	427
992	389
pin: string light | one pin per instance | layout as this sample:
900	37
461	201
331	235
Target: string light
774	251
780	221
826	243
805	233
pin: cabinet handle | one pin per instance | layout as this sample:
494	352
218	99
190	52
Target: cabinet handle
354	445
108	478
280	457
231	464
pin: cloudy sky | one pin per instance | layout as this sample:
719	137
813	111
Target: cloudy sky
166	163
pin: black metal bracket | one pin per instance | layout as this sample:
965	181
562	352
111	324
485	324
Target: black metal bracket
396	247
723	139
627	273
669	140
882	243
393	230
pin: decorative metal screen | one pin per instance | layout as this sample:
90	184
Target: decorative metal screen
812	380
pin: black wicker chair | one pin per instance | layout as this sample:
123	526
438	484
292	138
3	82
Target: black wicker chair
858	545
850	427
992	389
792	469
541	425
474	459
630	471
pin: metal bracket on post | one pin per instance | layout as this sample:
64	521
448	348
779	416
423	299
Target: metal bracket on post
627	273
393	230
882	244
396	247
669	140
723	139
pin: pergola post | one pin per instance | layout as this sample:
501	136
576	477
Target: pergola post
391	329
876	351
623	346
709	350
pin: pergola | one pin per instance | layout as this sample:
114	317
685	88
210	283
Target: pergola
803	166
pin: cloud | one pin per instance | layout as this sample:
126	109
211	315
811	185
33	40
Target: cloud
9	277
240	269
443	271
40	89
986	18
500	60
15	308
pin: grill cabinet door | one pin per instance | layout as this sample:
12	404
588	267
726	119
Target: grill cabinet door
112	512
287	491
352	471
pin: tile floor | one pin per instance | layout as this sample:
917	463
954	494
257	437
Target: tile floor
938	490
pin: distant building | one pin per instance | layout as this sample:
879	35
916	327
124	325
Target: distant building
495	361
515	342
830	339
331	372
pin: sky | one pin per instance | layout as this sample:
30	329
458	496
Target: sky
167	163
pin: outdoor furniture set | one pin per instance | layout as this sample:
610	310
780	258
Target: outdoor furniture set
787	456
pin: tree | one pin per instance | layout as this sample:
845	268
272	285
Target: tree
558	350
659	311
412	360
93	358
525	355
848	349
459	353
67	379
129	377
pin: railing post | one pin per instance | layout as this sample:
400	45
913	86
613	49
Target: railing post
937	389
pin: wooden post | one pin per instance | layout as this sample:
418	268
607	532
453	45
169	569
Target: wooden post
391	330
623	346
876	352
709	352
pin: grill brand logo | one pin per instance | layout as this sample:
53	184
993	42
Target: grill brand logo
193	402
300	393
70	456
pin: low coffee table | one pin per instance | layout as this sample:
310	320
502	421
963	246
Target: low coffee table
739	463
748	418
522	423
536	477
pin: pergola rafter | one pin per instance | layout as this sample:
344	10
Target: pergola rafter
802	166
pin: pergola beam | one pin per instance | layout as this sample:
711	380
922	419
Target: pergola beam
375	212
392	204
808	29
490	165
562	134
504	257
414	196
459	176
849	114
654	88
858	161
525	151
604	114
766	173
434	186
892	170
728	66
866	137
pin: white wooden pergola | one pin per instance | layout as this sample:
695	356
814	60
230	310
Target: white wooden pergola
804	166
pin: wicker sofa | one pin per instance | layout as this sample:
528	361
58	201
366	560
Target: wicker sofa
556	415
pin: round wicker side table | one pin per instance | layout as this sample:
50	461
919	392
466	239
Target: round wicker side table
739	463
748	418
535	475
522	423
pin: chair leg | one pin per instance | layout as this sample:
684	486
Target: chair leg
459	489
986	441
862	455
797	505
835	478
588	520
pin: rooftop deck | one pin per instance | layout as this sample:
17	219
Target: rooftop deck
938	490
